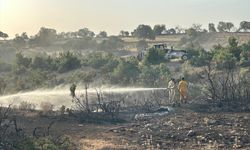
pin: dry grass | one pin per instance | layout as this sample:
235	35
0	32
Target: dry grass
96	144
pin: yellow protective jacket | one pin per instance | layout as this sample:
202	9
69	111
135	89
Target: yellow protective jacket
183	85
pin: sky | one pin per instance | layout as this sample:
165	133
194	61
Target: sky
17	16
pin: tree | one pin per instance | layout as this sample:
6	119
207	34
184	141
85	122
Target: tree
102	34
85	32
244	25
22	61
225	60
197	27
222	26
67	61
112	43
24	36
172	31
126	71
3	35
233	47
42	63
19	41
144	32
211	27
124	33
158	29
245	51
191	32
225	26
154	75
45	37
200	57
179	30
229	25
97	59
154	56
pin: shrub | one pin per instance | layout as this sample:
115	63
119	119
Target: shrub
62	109
98	59
112	43
45	143
154	75
228	87
225	60
27	106
200	57
126	72
154	56
67	61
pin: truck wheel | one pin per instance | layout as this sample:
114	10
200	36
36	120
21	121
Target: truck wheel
184	57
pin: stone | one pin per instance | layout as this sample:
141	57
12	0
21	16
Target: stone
191	133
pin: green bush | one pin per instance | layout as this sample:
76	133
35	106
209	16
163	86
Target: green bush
112	43
67	61
97	59
154	75
200	57
43	63
126	72
154	56
22	61
225	60
233	48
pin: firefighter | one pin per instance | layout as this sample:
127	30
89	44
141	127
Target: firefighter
171	88
182	87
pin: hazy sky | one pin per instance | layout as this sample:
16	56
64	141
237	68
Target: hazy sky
17	16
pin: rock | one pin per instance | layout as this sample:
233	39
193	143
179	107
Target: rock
201	138
191	133
115	131
246	118
131	130
148	125
221	146
236	146
122	129
208	121
233	131
134	141
155	127
169	123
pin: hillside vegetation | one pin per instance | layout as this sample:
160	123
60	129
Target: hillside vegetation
205	40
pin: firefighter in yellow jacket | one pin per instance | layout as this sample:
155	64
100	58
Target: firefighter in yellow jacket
182	87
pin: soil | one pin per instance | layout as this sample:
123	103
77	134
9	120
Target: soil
184	128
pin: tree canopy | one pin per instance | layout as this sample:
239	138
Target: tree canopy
144	32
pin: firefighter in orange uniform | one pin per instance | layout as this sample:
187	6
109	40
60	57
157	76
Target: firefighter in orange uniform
183	87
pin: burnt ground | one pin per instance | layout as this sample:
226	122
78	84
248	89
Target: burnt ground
184	128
